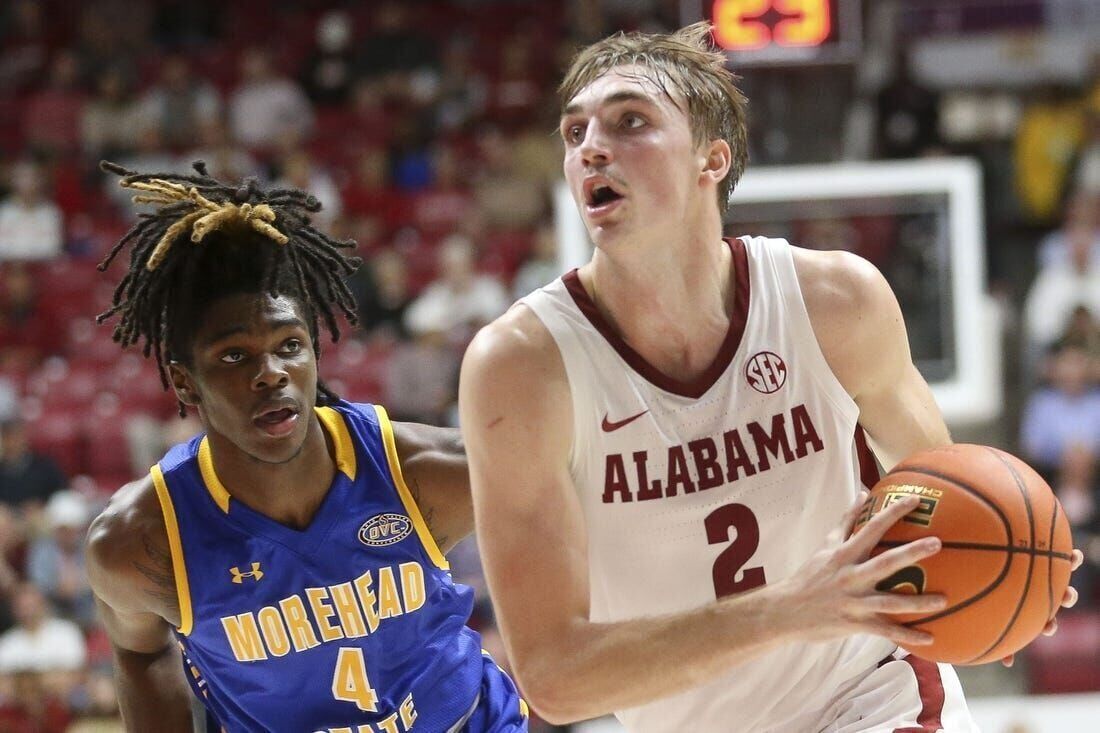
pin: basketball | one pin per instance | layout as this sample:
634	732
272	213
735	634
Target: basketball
1006	555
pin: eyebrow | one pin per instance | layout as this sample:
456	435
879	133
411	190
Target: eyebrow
616	98
236	329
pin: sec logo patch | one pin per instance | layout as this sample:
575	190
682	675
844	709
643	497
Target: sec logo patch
383	530
766	372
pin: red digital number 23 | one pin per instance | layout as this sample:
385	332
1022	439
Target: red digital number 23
731	560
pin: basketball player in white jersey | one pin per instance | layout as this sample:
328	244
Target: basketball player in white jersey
665	444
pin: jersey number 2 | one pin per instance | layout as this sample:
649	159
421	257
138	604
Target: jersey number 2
350	683
731	560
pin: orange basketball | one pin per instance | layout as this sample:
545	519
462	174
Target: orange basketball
1006	555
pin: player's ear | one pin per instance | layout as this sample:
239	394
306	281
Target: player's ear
716	160
183	385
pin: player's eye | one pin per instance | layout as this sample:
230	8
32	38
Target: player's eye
632	121
292	346
573	134
232	357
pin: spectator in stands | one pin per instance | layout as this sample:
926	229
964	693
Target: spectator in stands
1060	437
33	707
461	300
908	119
421	379
28	332
1087	174
395	51
517	89
299	171
42	642
149	153
1062	286
440	207
24	44
509	199
370	192
52	117
463	89
329	70
1060	432
224	158
1048	137
382	294
542	267
31	225
55	563
113	117
180	104
1080	220
266	107
27	478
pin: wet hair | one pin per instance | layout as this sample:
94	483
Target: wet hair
208	240
687	64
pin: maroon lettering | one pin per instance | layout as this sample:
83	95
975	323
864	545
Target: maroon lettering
705	454
771	443
646	491
805	434
678	474
614	480
737	458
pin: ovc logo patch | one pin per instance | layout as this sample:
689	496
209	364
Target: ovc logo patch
383	530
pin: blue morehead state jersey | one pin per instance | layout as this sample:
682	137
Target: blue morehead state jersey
351	625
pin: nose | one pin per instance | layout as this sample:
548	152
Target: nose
271	374
594	149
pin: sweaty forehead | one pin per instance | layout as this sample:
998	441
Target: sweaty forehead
621	83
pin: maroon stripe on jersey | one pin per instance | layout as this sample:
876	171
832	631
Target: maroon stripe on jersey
930	687
868	466
696	388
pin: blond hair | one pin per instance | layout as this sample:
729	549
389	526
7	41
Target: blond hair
685	62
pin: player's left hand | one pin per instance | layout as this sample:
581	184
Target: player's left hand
1068	601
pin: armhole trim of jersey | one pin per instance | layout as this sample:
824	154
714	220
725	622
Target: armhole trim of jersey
417	518
337	429
179	569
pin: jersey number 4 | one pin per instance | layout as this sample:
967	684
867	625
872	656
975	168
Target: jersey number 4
349	680
731	560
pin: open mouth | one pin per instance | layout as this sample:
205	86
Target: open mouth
601	195
277	423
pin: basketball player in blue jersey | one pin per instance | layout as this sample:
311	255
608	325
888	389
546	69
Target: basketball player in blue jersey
287	564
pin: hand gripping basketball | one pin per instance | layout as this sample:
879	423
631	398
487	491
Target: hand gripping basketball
834	594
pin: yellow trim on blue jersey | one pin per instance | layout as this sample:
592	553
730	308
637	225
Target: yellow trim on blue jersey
331	421
183	590
210	477
337	429
403	491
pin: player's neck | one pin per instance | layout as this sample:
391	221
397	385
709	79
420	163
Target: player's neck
672	304
289	493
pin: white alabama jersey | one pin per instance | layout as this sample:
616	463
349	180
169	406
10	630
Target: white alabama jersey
695	491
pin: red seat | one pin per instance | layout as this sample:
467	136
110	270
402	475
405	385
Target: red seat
1069	661
108	450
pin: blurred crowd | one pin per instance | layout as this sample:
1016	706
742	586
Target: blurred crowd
426	130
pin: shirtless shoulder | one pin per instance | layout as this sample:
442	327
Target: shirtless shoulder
129	561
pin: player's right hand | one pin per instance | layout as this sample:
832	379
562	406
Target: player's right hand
834	593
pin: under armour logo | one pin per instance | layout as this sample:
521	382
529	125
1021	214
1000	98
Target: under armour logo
255	574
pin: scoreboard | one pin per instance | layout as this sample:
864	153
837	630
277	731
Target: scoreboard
776	32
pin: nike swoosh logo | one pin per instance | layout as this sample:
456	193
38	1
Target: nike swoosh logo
609	427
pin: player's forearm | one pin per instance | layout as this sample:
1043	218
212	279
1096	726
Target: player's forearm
152	692
596	668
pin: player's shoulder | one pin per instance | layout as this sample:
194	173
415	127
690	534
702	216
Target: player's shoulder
837	284
129	527
514	342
